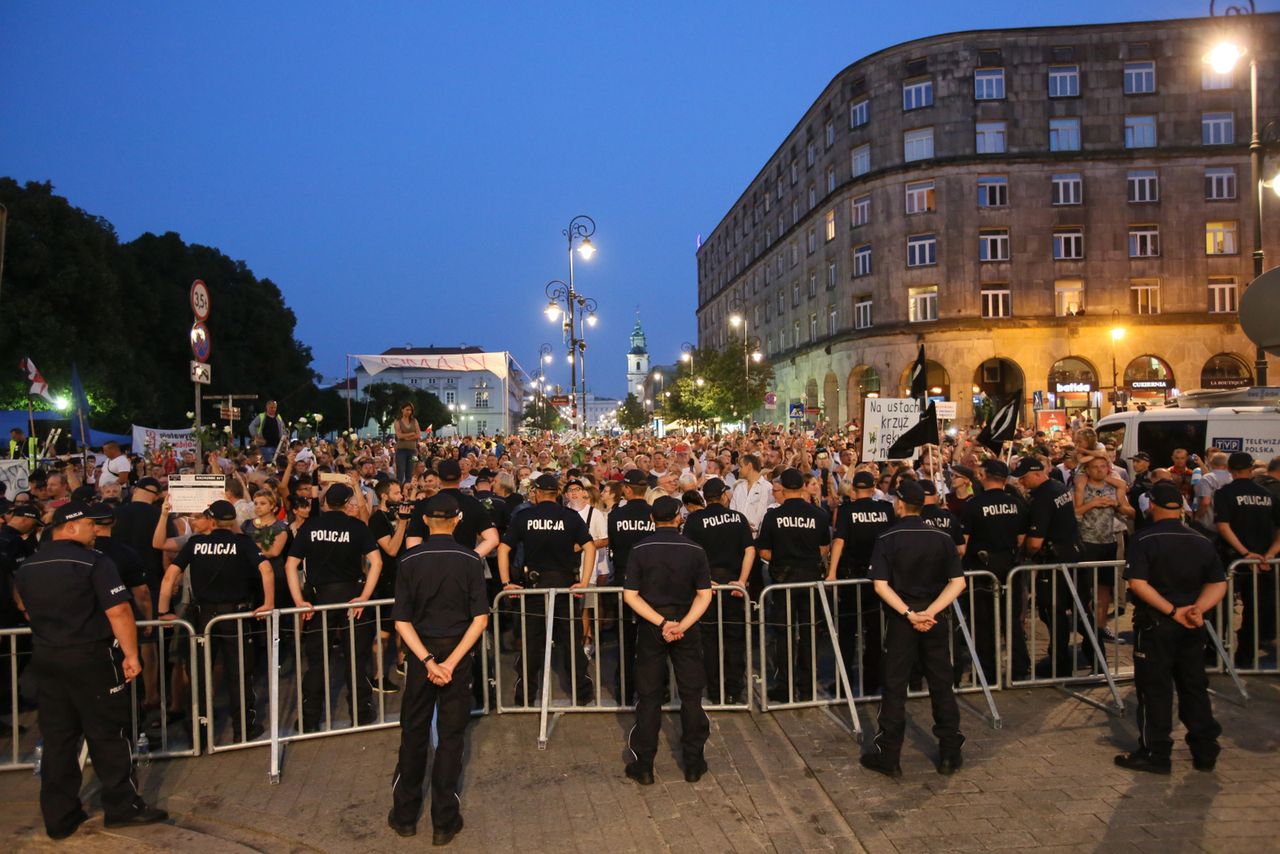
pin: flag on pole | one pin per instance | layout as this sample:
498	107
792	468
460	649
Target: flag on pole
919	376
925	432
1003	426
81	422
38	385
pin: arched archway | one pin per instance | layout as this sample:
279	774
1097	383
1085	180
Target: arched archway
1225	370
863	382
831	400
1073	386
1149	379
810	396
999	378
937	381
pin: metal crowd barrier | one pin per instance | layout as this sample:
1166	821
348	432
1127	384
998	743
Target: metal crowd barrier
1260	615
246	626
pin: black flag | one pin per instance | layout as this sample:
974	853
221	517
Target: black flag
919	375
1003	426
925	432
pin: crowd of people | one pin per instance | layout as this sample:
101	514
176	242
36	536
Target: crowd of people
339	522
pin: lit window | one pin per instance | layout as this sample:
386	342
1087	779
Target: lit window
1144	241
482	400
859	113
917	94
995	302
862	312
862	261
1139	131
1144	296
1064	134
1223	295
860	211
1064	81
1068	244
988	84
831	224
861	160
1139	78
1143	185
922	304
1218	128
1068	297
922	250
993	244
990	137
1068	189
993	191
920	197
1220	238
917	144
1219	183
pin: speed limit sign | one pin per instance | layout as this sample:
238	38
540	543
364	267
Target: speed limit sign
200	300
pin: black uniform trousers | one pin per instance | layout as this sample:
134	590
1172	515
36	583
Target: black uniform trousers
224	643
316	639
984	618
795	629
624	680
725	617
564	634
685	656
82	693
452	706
1247	646
904	648
1061	616
1168	655
858	623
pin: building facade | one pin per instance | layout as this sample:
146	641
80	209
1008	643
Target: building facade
637	360
1033	205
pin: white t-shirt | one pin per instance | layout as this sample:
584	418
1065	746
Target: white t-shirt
114	470
598	527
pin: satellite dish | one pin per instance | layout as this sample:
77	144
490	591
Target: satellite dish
1260	311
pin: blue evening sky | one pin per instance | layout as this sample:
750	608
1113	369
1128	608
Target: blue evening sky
403	170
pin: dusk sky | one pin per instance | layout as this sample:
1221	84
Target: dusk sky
403	170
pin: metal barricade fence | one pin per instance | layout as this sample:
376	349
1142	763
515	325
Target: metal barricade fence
234	640
1252	643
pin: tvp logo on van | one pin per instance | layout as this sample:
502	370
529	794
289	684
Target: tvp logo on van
1229	446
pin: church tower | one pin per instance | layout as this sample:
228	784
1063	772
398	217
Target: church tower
637	360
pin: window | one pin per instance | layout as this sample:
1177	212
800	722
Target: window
810	154
1144	185
795	254
922	304
1064	81
1139	78
1068	297
1218	128
795	172
831	134
859	113
1064	134
922	250
988	84
1068	189
813	197
833	320
862	312
1139	131
813	327
795	334
1219	183
449	397
990	138
860	211
1144	241
1210	79
861	160
993	244
831	224
1220	238
1068	244
811	242
993	191
813	285
1144	296
795	294
862	261
920	197
995	302
917	144
1223	295
482	400
831	179
781	302
917	94
832	274
795	211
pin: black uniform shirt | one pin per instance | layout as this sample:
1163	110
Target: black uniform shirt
628	524
67	589
498	509
915	559
1173	559
1250	510
223	566
859	523
475	519
383	524
14	549
127	562
724	534
440	588
668	569
994	519
549	531
1053	517
135	527
334	545
944	520
794	532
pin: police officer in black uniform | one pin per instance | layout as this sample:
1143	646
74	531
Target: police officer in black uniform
441	611
1248	520
389	525
335	546
555	539
1053	536
725	535
995	521
917	573
227	573
629	523
1176	578
936	516
127	561
86	653
858	524
794	539
18	541
669	588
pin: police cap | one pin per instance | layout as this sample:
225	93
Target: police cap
449	470
70	512
635	477
1240	461
547	482
25	511
791	479
714	488
995	468
1141	455
694	497
441	506
1027	465
864	480
665	508
1167	495
150	484
102	514
338	495
964	471
86	493
909	492
224	511
928	487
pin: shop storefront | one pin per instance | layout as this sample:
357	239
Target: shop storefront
1225	370
1149	380
1073	388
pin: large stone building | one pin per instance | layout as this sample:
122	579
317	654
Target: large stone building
1008	198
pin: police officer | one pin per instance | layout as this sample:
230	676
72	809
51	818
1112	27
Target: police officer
335	545
858	524
227	571
127	562
1248	521
794	539
1053	536
669	588
936	516
86	653
1176	578
725	535
994	523
440	613
555	538
389	524
917	573
18	542
629	523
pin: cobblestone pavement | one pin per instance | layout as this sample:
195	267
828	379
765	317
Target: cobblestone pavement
784	782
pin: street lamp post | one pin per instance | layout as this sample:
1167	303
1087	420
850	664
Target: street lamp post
686	355
544	359
1117	334
580	229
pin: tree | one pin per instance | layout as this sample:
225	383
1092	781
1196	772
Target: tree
383	401
541	415
719	387
631	415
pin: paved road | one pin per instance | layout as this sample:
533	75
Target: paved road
782	782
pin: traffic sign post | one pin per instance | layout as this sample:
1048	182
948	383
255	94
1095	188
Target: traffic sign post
200	301
201	347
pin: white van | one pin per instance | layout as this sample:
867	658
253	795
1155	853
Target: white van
1235	420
